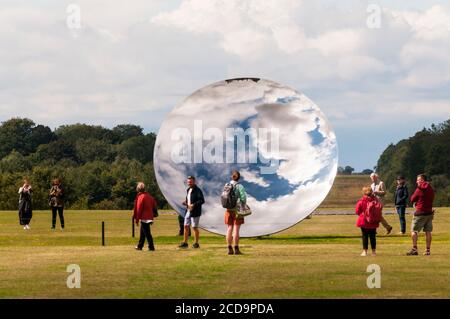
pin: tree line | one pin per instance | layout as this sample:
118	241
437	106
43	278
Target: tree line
99	167
428	151
348	170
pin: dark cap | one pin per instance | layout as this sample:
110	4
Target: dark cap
191	177
400	177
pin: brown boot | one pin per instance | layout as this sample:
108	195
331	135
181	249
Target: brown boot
230	250
237	251
388	229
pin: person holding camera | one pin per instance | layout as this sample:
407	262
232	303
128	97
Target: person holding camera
25	211
56	202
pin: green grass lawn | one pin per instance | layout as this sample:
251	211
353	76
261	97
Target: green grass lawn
318	258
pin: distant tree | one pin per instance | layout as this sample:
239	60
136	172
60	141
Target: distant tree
428	151
367	171
75	132
124	132
348	170
340	170
99	167
414	161
14	162
96	182
9	184
436	163
55	151
14	135
91	149
40	135
139	148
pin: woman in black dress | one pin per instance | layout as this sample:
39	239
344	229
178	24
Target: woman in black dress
25	210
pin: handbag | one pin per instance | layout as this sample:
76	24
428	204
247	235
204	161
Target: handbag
243	210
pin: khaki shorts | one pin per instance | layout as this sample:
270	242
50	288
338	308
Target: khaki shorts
424	222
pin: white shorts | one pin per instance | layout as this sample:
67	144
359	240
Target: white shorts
188	220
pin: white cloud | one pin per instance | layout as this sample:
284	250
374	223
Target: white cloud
245	28
337	42
251	177
135	62
420	108
431	25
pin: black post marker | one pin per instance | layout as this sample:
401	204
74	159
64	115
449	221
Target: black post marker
103	233
132	227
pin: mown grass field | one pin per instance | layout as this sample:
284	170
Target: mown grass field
346	191
318	258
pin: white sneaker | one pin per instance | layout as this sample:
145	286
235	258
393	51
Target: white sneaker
364	254
27	226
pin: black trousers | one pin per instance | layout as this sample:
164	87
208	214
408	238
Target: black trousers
60	211
181	224
369	234
146	234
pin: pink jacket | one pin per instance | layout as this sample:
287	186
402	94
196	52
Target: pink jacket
360	209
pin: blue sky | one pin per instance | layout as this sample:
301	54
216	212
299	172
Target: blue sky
134	63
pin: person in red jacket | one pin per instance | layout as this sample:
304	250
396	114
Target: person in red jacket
422	198
145	210
369	231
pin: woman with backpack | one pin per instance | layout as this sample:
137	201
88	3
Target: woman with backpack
25	211
369	211
232	219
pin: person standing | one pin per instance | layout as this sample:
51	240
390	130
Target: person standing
422	199
368	228
145	210
379	190
232	220
400	198
25	210
181	226
193	203
57	202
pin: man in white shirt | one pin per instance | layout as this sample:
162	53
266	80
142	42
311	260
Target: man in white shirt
379	190
193	203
